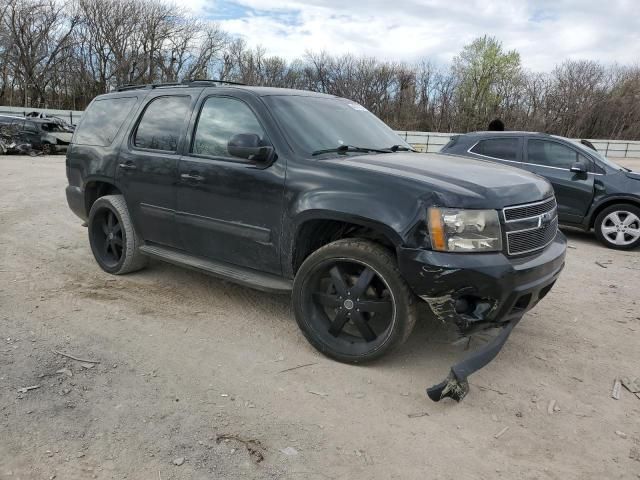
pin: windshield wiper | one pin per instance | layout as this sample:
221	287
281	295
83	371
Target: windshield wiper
348	148
400	148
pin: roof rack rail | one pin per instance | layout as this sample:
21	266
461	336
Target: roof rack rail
199	81
123	88
184	83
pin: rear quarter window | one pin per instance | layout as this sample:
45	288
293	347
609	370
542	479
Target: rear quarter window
102	121
502	148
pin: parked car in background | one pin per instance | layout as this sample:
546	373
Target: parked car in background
592	191
309	194
46	135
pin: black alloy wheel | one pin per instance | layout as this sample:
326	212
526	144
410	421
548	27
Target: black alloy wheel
353	307
114	242
107	237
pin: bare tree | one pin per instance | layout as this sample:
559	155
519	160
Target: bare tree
40	33
62	53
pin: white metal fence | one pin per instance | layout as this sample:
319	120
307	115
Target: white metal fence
71	116
422	141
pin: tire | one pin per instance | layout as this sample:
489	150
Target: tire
618	226
353	329
114	242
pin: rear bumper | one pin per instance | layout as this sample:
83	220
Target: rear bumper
75	200
480	290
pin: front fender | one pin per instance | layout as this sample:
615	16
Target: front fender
394	217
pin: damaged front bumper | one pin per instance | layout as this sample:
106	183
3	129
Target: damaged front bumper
477	292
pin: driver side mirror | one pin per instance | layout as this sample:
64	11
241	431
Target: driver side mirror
247	145
579	167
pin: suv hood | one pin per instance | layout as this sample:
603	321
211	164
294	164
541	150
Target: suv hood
457	181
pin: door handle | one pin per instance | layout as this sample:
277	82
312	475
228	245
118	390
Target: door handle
195	178
127	166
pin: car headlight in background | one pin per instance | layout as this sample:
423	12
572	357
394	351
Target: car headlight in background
457	230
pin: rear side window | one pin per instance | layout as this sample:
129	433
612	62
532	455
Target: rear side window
504	148
102	120
161	123
550	154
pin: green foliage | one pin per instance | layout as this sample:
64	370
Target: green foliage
483	72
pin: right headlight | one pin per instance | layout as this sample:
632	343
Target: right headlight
458	230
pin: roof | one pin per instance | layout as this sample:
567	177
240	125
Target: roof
260	91
274	91
506	133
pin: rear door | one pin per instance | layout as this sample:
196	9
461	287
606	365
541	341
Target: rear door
147	169
229	208
553	159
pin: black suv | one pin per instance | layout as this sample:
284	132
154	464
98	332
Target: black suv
592	191
287	190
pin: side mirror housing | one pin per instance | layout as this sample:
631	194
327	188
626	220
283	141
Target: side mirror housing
579	167
247	145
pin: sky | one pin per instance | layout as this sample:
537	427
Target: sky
544	32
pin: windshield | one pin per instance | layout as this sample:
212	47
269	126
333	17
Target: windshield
313	124
600	156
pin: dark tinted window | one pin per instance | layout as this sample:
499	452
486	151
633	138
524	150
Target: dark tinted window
504	148
161	123
550	154
220	119
318	123
101	122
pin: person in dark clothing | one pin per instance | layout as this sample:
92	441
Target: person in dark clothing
496	125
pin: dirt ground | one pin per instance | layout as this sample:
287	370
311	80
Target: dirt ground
185	360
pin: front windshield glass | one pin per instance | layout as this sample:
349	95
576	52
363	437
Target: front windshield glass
313	124
600	156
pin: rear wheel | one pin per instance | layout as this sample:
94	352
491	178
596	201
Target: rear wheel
351	301
114	242
618	226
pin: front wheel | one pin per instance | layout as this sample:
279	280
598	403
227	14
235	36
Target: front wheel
351	301
618	226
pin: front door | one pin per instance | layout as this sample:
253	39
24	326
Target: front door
229	209
148	166
553	160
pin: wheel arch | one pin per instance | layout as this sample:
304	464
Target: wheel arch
608	202
96	188
314	229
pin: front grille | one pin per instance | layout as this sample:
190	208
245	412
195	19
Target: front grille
532	240
520	212
530	227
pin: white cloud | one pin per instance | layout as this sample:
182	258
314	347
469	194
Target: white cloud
544	32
